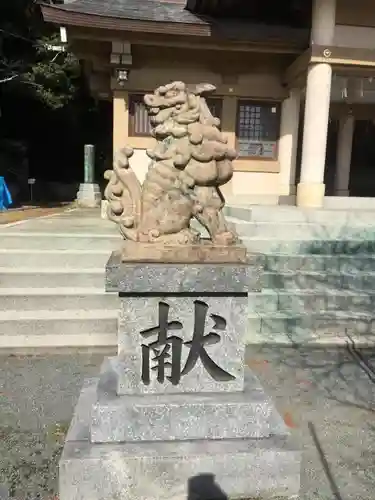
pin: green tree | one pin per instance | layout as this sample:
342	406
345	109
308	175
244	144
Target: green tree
31	63
46	111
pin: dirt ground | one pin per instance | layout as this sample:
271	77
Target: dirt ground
24	213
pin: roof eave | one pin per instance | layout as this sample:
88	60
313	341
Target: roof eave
62	17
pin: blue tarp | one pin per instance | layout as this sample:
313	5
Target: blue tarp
5	196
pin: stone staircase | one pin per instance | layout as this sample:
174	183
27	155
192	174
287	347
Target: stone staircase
52	283
318	281
319	274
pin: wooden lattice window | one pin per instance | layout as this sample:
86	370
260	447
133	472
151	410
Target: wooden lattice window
258	129
139	121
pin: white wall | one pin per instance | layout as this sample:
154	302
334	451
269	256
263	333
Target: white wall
242	183
255	183
139	163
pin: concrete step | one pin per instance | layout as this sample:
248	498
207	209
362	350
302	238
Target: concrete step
58	241
304	280
50	277
43	328
307	327
291	230
84	213
352	203
249	200
318	263
57	299
71	220
244	213
293	246
277	214
318	339
64	228
311	301
54	258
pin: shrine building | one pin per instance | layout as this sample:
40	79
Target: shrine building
295	84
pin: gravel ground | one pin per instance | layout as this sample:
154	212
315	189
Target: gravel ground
329	400
37	399
325	396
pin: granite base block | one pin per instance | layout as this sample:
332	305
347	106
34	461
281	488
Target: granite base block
158	470
168	417
264	468
175	415
173	278
188	315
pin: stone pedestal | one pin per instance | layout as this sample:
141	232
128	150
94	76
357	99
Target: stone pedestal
89	195
176	414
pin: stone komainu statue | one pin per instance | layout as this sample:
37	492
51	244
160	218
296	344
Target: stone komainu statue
190	161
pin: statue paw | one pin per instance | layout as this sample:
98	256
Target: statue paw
188	237
226	238
153	235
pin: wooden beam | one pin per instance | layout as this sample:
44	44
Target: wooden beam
354	71
345	56
297	67
340	57
198	43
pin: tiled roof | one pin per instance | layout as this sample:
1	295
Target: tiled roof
142	10
166	16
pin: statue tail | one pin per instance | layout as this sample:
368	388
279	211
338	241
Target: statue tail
123	193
